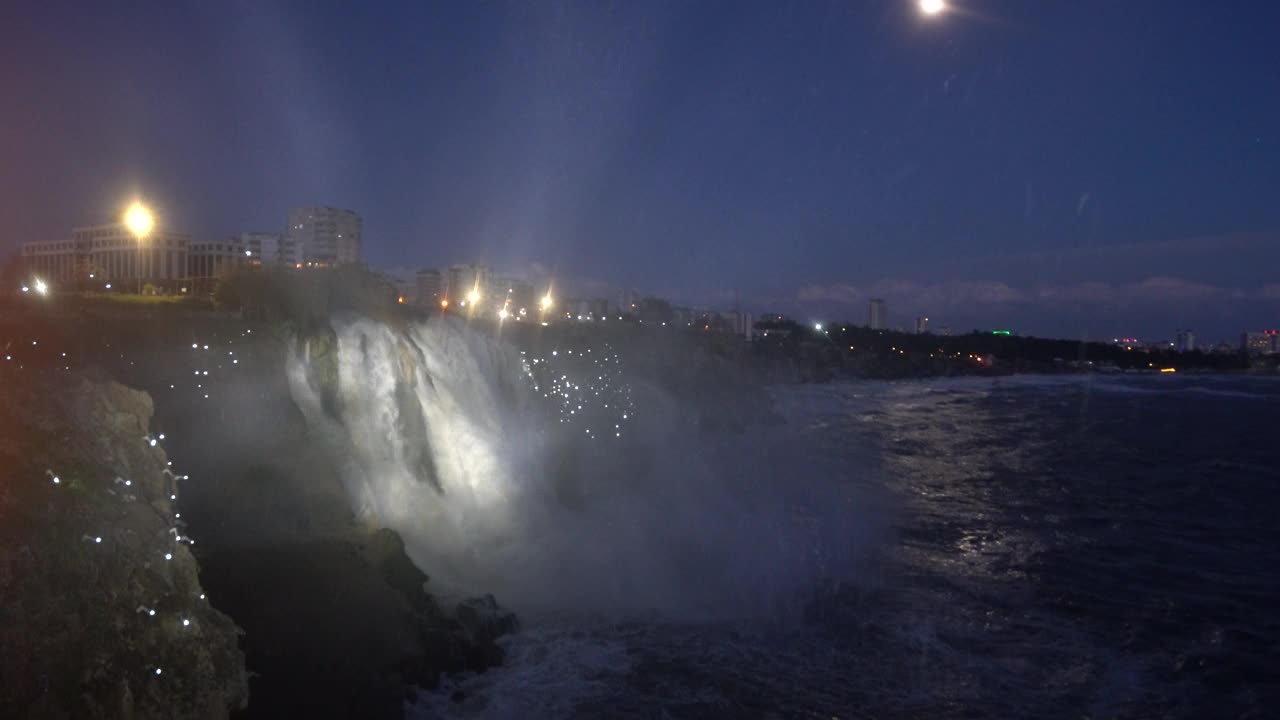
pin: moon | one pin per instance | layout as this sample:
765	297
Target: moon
932	7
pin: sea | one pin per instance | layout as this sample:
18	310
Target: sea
1080	546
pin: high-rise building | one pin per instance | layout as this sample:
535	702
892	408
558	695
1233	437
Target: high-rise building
323	236
876	314
1186	341
110	253
922	325
430	287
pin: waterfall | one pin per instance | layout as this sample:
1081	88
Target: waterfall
556	482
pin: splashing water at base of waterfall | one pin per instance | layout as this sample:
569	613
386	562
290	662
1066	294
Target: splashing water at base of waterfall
512	474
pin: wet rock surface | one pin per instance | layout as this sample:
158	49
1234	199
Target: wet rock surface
102	613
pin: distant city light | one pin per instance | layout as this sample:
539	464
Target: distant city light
473	297
546	301
444	303
41	287
1001	332
817	326
248	253
503	314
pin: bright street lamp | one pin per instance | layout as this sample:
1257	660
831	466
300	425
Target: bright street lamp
546	301
932	7
139	220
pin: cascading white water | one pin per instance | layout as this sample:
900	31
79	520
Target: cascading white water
497	481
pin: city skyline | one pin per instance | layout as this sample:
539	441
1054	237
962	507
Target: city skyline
804	158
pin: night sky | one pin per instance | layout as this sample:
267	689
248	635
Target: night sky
1070	167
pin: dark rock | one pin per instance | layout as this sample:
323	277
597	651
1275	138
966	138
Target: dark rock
484	620
82	564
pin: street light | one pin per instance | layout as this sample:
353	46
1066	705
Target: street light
139	220
932	7
546	301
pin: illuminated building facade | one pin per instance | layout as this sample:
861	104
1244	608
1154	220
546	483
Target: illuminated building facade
1263	342
110	253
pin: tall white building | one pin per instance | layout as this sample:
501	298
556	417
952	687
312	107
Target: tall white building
323	236
111	253
1186	341
876	314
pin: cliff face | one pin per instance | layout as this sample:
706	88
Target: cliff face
101	609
